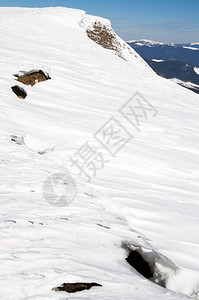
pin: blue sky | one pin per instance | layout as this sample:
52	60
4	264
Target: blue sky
158	20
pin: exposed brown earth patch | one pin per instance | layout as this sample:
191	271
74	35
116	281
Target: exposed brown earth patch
105	37
76	287
32	77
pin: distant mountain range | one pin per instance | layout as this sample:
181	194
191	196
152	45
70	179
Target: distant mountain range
180	52
179	61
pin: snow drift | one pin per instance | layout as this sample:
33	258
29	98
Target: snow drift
147	190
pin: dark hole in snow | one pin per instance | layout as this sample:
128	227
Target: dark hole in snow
160	269
32	77
136	260
149	263
75	287
19	91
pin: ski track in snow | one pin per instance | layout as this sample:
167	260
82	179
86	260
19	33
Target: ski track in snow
147	195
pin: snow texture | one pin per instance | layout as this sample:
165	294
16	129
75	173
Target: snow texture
146	195
196	70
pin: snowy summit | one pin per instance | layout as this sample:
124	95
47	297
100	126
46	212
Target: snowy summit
99	162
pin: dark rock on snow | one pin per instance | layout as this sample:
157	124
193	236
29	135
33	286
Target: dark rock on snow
75	287
19	91
32	77
19	140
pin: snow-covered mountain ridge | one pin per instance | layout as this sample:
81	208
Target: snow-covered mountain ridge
178	61
148	43
167	51
146	194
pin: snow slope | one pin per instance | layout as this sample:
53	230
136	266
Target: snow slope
146	195
189	85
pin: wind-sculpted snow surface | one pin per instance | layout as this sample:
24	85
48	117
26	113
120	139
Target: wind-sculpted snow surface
128	138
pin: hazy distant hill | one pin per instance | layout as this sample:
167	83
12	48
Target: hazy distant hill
177	69
172	61
179	52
